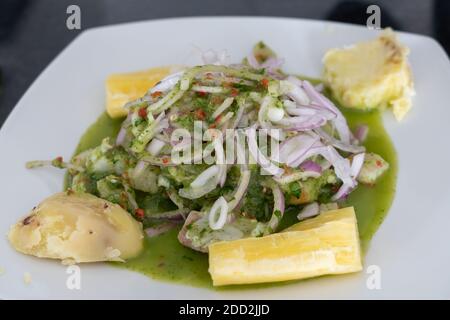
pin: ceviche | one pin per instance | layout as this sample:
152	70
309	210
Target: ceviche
217	156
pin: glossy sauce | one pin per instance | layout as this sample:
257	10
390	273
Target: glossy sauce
164	258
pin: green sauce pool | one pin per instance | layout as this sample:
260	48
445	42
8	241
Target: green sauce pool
164	258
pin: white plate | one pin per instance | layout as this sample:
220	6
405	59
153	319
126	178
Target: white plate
410	248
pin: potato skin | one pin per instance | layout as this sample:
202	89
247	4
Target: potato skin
78	227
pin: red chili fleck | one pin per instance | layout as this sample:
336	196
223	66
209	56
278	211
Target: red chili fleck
142	112
217	119
156	94
265	83
165	160
201	93
200	114
379	164
234	92
140	213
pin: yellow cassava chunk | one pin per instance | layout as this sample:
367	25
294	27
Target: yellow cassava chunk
125	87
371	74
78	227
326	244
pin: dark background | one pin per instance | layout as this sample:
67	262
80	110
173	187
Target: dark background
32	33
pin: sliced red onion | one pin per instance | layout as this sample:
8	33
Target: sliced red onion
357	163
361	132
272	64
140	168
296	91
302	123
295	147
160	229
310	165
341	167
251	59
121	136
184	240
337	143
259	157
221	206
300	111
312	109
319	87
340	122
309	211
241	190
155	146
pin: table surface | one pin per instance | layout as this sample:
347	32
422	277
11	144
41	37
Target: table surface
32	33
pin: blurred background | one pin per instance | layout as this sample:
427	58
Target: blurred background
33	32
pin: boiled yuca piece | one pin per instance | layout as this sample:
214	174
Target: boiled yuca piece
78	227
125	87
372	74
327	244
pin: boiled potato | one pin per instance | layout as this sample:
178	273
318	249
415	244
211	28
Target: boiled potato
372	74
78	227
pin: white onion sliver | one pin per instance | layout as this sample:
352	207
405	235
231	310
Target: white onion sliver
207	89
241	190
214	222
167	83
309	211
224	106
203	177
278	209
